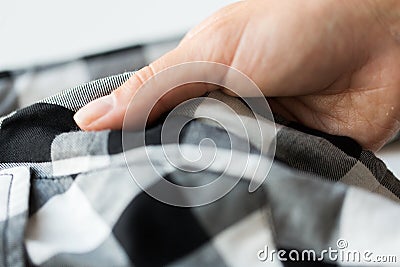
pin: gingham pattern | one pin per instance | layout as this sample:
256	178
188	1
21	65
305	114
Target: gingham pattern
67	198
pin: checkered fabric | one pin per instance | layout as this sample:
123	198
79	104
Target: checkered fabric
23	87
67	197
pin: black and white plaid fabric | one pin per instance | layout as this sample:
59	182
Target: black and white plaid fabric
21	88
67	197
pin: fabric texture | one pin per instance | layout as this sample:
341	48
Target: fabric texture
23	87
67	197
85	209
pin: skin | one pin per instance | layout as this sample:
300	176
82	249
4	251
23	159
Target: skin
331	65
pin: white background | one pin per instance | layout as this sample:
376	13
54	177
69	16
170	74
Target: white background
39	31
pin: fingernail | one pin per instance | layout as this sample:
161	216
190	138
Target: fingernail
94	111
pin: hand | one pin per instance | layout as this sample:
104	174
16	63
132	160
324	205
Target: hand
328	64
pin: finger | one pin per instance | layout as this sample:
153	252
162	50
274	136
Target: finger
148	85
108	112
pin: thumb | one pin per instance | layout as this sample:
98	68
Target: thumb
150	86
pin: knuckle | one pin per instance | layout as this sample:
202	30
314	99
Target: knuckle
144	74
138	79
